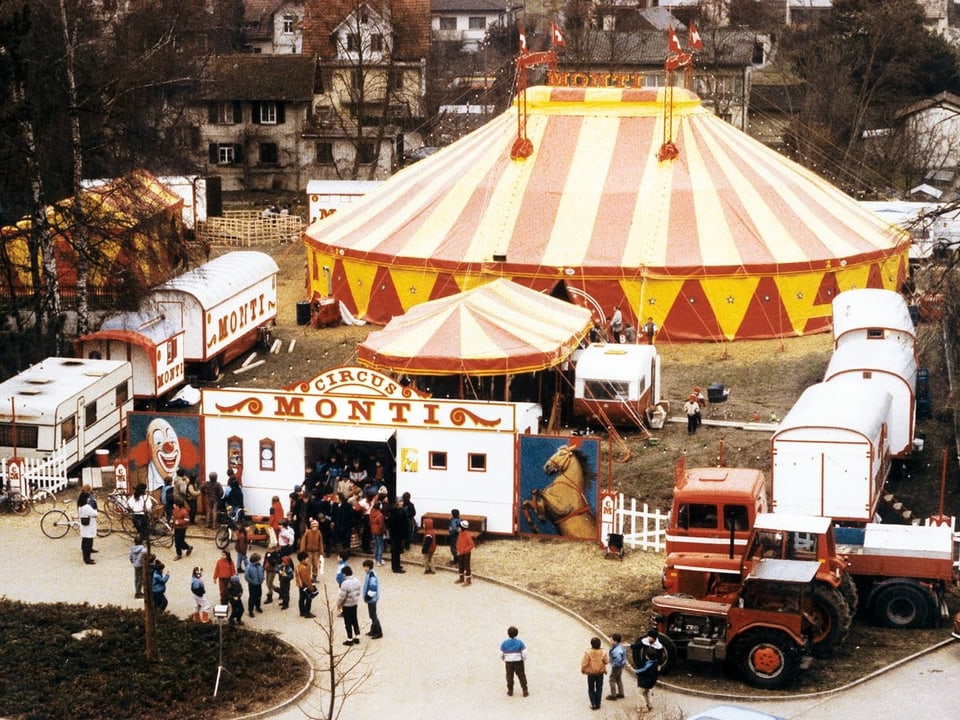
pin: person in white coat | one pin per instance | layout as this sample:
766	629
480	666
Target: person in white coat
88	527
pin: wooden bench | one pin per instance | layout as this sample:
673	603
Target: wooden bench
441	525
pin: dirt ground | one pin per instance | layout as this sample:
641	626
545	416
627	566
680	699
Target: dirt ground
765	378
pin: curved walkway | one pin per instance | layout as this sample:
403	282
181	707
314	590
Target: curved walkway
439	654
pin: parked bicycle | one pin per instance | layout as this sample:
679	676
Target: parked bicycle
258	528
40	499
57	523
13	501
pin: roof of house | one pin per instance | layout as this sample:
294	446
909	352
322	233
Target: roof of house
661	19
649	47
487	6
938	100
259	77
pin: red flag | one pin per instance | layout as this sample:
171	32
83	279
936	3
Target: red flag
696	42
523	40
557	35
673	45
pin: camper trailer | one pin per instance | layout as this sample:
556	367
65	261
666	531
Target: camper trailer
872	314
615	384
73	405
888	366
151	342
325	197
830	455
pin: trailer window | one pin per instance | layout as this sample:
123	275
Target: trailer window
438	460
68	429
605	390
477	462
27	435
91	414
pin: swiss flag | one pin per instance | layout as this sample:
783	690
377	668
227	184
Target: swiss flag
673	45
523	40
557	35
696	42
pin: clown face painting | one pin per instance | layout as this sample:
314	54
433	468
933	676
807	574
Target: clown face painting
160	445
164	452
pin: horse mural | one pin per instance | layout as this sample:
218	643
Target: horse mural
563	502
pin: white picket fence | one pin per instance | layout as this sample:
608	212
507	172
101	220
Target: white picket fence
48	473
641	528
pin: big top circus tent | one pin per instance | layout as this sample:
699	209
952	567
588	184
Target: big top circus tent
500	328
728	240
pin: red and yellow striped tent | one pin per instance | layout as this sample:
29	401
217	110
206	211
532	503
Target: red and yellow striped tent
729	240
135	235
500	328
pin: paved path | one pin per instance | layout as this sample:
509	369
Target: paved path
438	657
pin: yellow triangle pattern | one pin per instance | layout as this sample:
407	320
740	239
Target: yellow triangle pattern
729	298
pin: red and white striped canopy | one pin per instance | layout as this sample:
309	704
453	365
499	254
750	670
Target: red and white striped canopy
499	328
728	240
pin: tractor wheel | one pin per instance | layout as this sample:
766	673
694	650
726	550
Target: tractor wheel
767	658
670	657
831	618
902	605
848	588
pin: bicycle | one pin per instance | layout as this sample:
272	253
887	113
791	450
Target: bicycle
40	499
57	523
13	501
160	531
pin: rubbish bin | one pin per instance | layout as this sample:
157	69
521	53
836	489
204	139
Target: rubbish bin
303	312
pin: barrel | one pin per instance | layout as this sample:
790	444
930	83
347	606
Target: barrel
303	312
103	458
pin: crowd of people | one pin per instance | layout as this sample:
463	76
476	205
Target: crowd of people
342	509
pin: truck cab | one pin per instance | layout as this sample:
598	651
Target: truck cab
714	509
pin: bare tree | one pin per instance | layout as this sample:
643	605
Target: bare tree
341	673
369	93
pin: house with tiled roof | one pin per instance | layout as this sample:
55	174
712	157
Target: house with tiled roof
928	137
466	22
273	27
720	74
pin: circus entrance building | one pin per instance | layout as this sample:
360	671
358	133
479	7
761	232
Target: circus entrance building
727	240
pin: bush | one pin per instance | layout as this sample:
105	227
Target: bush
47	673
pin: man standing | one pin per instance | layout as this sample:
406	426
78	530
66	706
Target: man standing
513	652
398	522
371	595
648	655
312	544
212	493
692	408
88	526
347	602
465	545
618	660
650	329
616	324
305	584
